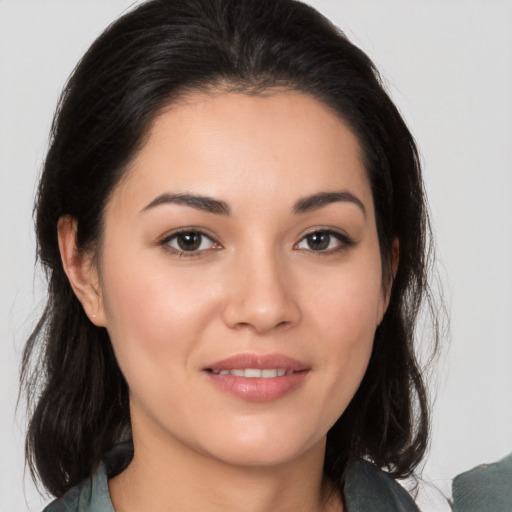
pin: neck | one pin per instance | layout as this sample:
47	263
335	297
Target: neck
166	476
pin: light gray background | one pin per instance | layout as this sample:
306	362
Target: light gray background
448	65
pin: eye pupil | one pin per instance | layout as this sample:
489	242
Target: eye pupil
318	241
189	241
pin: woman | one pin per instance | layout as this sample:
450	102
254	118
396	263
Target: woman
232	221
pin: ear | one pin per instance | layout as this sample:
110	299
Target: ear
393	265
80	270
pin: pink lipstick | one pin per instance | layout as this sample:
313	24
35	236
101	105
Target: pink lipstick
257	377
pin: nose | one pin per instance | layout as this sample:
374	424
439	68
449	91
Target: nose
262	296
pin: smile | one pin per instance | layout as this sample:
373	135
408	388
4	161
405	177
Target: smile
257	377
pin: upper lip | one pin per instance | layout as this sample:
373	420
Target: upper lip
259	361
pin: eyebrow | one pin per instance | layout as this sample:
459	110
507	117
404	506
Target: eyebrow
210	205
203	203
317	201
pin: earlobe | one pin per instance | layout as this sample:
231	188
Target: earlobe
80	270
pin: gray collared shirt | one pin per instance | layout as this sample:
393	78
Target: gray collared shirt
367	488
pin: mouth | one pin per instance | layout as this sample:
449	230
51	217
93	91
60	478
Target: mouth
257	378
253	373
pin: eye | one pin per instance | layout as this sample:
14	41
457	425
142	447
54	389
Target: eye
189	241
324	241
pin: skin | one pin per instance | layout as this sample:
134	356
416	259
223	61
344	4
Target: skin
255	285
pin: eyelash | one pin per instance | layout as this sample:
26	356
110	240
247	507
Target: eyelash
345	242
187	231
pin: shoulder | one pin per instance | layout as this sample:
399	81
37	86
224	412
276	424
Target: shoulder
369	488
91	495
486	487
70	501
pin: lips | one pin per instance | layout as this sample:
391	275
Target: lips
257	377
255	373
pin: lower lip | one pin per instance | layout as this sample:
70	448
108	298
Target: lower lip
257	389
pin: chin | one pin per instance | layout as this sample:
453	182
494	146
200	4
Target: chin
254	449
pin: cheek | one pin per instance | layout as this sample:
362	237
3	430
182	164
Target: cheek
156	322
348	304
154	310
349	326
344	313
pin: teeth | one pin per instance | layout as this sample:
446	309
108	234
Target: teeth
255	373
252	373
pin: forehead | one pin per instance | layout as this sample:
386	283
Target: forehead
234	145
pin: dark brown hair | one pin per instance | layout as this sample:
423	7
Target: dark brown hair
145	60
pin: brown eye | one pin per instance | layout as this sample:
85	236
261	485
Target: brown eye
324	241
318	241
189	242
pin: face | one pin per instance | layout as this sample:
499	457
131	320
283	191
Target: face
240	276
